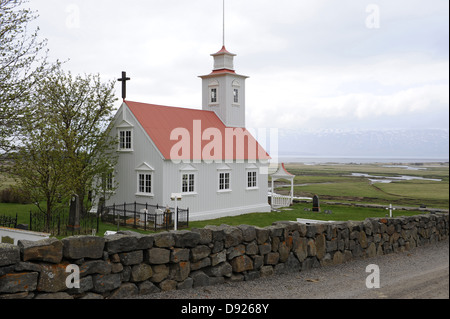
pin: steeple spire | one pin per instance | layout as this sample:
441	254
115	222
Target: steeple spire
223	35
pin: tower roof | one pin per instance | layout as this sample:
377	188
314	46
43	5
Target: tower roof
223	51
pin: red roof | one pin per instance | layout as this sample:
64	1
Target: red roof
223	51
160	122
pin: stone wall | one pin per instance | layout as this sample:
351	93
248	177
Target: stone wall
129	264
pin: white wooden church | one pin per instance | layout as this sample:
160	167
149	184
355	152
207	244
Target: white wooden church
206	155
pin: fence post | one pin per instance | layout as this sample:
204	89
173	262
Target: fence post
134	214
145	216
59	224
31	220
98	222
124	214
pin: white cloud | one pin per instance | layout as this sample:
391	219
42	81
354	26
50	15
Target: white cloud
311	63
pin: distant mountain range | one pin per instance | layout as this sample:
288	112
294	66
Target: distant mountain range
421	143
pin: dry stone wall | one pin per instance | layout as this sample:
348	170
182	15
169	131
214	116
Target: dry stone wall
129	264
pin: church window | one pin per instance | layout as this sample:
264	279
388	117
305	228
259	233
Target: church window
252	179
236	95
145	183
125	140
224	181
109	181
188	183
214	95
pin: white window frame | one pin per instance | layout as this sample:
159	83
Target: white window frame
191	177
214	85
146	170
236	96
109	182
236	88
145	174
124	131
224	179
253	181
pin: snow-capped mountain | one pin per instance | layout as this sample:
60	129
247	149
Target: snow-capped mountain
378	143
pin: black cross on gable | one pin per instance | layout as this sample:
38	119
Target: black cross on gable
124	80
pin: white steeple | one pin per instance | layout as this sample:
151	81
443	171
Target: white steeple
223	90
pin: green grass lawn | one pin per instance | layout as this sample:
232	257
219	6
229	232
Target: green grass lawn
339	213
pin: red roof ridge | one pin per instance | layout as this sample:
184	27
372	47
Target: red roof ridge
173	107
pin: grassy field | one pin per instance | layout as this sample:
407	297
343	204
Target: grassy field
336	183
332	183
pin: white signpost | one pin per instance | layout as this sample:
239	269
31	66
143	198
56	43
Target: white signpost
176	197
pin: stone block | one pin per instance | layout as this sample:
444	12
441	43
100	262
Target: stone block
53	277
300	248
248	232
118	243
158	256
222	270
233	236
262	235
95	267
185	238
205	235
179	254
131	258
180	271
200	279
168	285
235	251
48	250
320	246
9	254
271	258
141	272
160	272
266	271
126	290
77	247
18	282
146	288
164	240
106	283
199	252
242	263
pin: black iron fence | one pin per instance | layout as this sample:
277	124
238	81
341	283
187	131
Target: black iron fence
8	221
56	223
145	216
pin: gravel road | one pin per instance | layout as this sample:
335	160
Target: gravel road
420	273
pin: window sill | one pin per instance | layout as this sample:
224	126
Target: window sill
252	188
189	194
125	150
224	191
144	194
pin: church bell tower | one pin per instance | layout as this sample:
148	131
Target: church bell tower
223	90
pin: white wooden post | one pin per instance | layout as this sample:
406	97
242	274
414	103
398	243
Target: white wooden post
272	197
176	197
390	210
292	191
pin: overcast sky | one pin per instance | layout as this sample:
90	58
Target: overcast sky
313	64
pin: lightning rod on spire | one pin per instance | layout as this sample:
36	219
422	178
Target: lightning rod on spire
223	35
